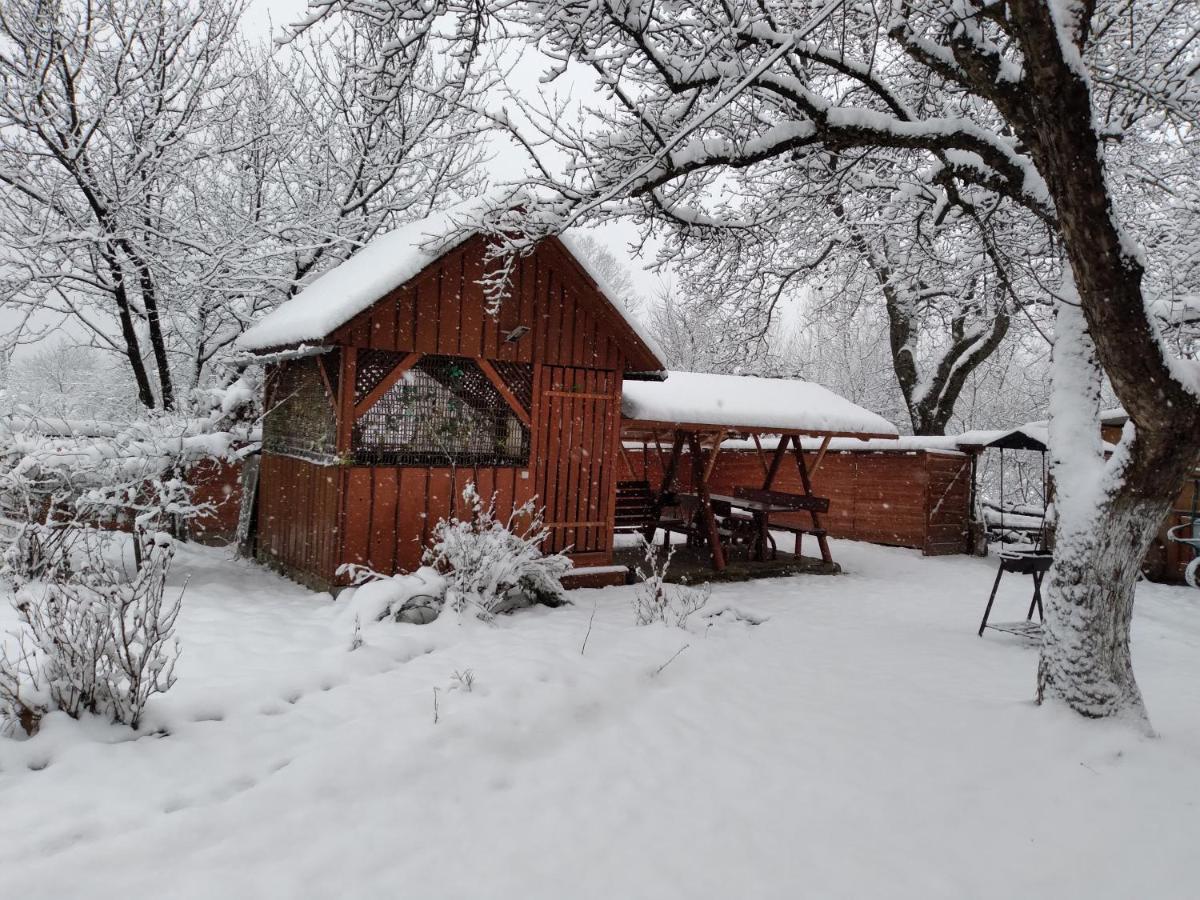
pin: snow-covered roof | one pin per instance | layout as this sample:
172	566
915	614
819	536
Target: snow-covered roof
749	403
386	262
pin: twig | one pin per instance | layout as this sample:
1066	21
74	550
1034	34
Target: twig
671	660
435	706
591	619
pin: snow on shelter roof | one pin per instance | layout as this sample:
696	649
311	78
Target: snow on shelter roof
740	402
383	264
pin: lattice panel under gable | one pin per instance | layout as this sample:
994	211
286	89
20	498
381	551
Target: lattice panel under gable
444	411
519	378
372	367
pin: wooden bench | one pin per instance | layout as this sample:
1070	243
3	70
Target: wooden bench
781	501
635	512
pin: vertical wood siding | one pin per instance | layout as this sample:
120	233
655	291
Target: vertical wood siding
577	422
299	506
885	498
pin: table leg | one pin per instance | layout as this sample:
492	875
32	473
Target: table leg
1037	598
992	599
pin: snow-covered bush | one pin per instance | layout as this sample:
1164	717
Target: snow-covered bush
99	639
492	566
416	598
658	601
59	472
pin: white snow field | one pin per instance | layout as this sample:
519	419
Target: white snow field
859	742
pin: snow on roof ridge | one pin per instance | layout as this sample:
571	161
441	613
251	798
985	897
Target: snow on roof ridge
389	260
358	282
786	404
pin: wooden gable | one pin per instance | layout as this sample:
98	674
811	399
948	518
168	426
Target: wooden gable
443	310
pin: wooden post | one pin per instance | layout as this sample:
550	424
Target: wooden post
776	461
822	538
665	488
762	457
345	415
700	473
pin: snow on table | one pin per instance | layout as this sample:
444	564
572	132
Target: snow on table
783	404
859	741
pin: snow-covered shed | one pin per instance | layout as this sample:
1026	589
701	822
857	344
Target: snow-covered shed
390	386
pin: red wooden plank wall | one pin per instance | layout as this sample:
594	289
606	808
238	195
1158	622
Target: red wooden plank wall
884	498
391	510
218	483
575	438
298	518
948	504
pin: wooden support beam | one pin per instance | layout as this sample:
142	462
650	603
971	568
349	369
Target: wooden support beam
822	538
762	457
345	415
820	454
628	464
330	393
712	457
776	461
668	484
700	484
384	386
505	391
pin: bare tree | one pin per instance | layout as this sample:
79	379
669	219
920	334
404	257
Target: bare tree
165	181
101	108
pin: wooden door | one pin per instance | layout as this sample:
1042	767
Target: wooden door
577	423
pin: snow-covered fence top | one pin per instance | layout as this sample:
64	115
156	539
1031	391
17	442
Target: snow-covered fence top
746	403
103	451
385	263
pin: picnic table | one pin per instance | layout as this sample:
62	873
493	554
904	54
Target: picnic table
754	506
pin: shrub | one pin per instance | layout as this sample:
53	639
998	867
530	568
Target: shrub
493	566
97	639
658	601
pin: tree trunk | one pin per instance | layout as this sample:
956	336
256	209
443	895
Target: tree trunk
157	343
1100	545
133	351
1085	659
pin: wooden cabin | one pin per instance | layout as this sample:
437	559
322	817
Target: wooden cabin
390	386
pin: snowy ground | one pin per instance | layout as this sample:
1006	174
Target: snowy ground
860	742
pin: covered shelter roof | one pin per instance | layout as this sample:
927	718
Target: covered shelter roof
694	401
1030	436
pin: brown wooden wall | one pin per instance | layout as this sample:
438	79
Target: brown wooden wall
217	483
1167	559
391	510
299	511
577	424
906	499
